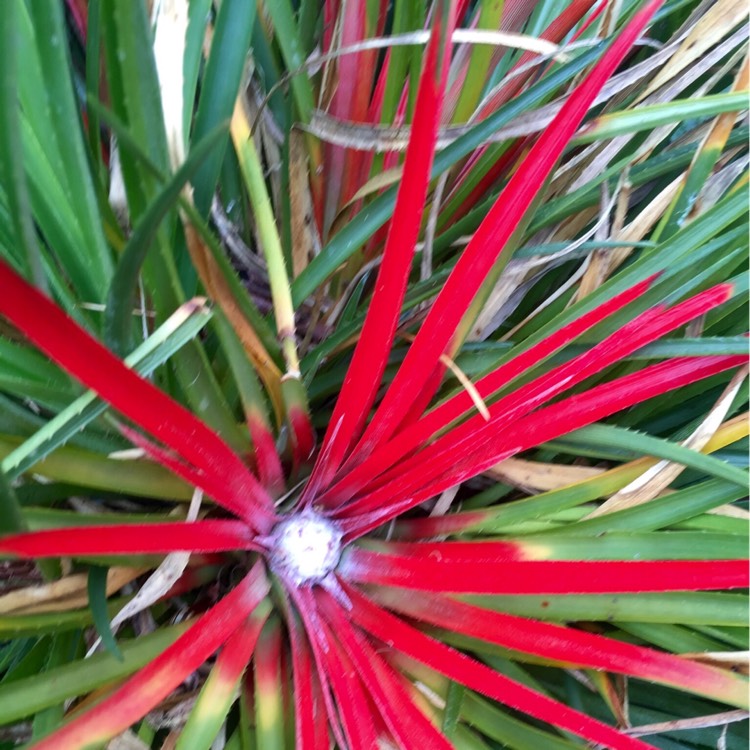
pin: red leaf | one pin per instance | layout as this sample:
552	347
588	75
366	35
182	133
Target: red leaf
235	654
488	241
409	726
415	435
489	568
354	708
132	539
465	670
144	690
270	470
370	356
459	460
309	714
219	491
302	434
94	365
302	598
566	645
645	328
269	670
429	527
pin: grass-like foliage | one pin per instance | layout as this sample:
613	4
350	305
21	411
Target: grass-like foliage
372	374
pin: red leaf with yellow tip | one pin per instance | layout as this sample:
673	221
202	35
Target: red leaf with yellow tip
565	645
471	673
141	692
495	568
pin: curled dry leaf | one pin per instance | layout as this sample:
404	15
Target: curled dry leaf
656	479
163	578
714	720
711	27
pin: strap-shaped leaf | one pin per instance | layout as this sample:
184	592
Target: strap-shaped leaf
94	365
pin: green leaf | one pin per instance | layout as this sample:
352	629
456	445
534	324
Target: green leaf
88	469
199	15
93	80
708	346
25	696
61	651
509	731
674	638
490	12
11	515
365	224
655	115
287	36
191	367
118	317
156	350
18	626
663	511
683	545
688	608
605	435
97	591
220	87
453	704
11	152
62	130
134	92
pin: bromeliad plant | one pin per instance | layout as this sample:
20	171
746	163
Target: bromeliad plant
329	598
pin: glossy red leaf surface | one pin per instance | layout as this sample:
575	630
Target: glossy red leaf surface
310	719
96	367
308	612
489	240
441	416
354	708
408	725
368	363
132	539
476	569
471	673
644	329
461	460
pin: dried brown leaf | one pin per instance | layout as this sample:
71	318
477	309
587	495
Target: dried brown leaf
65	594
717	21
539	476
218	289
305	245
